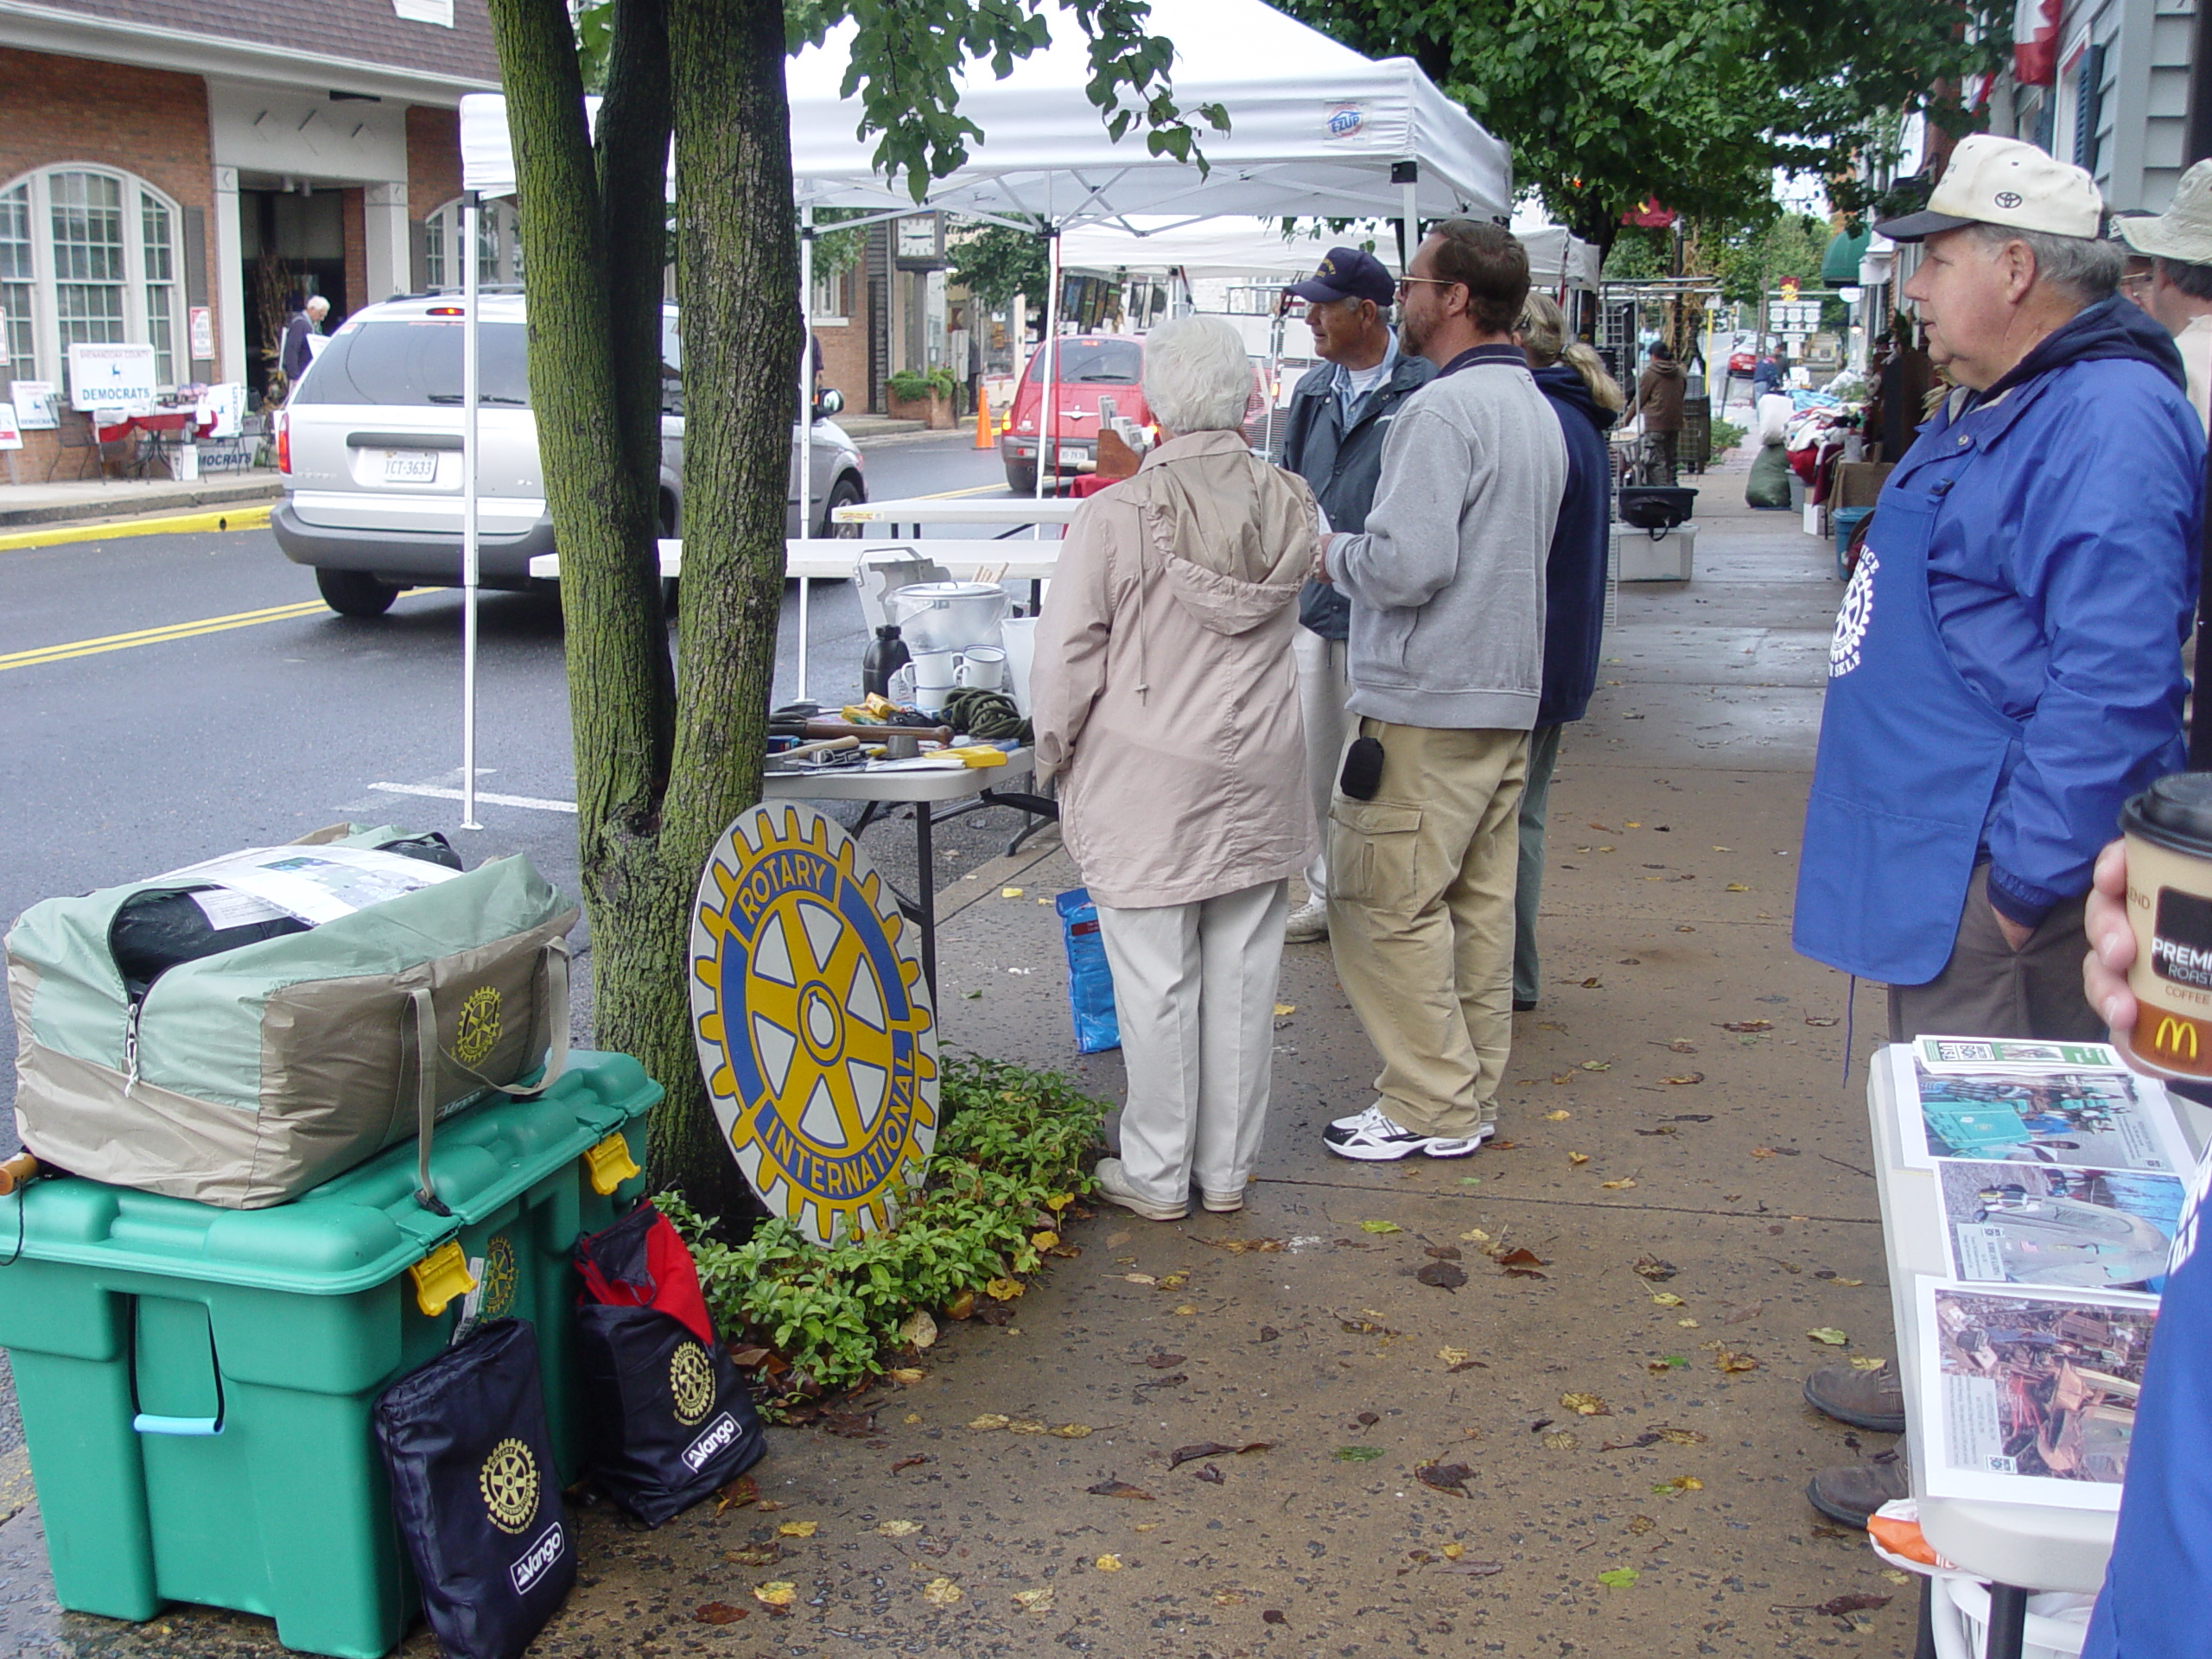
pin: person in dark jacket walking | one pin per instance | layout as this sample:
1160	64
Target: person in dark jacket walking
1333	440
1587	401
1766	375
304	324
1659	393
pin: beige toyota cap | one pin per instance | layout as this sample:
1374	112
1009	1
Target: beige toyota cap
1993	180
2183	232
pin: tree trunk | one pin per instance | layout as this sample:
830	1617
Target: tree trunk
737	274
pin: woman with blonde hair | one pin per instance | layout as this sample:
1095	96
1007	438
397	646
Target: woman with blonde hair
1166	703
1586	400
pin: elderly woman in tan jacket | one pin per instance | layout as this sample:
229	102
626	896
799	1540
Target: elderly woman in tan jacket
1165	700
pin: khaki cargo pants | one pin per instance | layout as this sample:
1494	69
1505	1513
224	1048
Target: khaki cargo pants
1422	881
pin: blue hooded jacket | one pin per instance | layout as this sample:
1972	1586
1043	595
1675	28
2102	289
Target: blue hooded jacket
1575	574
2062	578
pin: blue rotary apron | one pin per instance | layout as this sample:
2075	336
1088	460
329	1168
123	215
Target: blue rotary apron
1911	754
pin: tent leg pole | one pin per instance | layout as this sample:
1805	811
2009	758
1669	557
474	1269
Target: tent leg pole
1406	177
803	459
1048	428
803	586
472	213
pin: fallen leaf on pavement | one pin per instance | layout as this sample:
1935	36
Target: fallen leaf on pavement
908	1375
1183	1454
1366	1327
1828	1334
1445	1477
766	1555
1618	1578
1069	1431
1557	1117
1033	1601
1274	1616
1823	1020
940	1593
720	1612
1380	1227
1597	1065
1731	1363
737	1494
1687	1078
1585	1405
1578	1158
1651	1267
1681	1484
769	1506
1868	1362
1443	1275
1161	1361
1108	1563
1680	1046
1559	1076
1661	1367
990	1419
1174	1280
1746	1025
1241	1246
961	1306
1762	1152
1358	1453
1004	1290
1043	1240
1560	1441
1119	1488
1026	1426
1452	1355
1474	1236
899	1528
779	1592
1267	1333
1621	1185
1140	1277
1640	1524
1667	1299
913	1462
1859	1601
1593	983
797	1528
1738	886
1467	1365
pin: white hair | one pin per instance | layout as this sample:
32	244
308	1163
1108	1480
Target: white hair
2083	268
315	300
1197	378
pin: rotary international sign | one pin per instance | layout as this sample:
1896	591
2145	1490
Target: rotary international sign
813	1022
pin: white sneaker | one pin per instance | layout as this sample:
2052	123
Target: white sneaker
1374	1136
1222	1203
1114	1187
1308	923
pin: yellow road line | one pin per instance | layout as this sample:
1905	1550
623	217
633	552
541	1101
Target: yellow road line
247	515
160	636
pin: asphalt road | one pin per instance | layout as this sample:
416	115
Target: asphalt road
191	695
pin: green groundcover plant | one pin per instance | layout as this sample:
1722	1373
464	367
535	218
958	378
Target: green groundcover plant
1012	1155
910	385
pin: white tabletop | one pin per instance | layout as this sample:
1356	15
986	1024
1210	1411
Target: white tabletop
852	785
962	509
2034	1546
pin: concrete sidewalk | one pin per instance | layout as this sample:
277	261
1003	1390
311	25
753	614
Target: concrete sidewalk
1688	1191
67	500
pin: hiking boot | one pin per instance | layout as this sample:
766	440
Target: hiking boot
1308	924
1872	1400
1114	1187
1373	1136
1851	1493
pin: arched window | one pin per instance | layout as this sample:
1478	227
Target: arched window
498	245
91	254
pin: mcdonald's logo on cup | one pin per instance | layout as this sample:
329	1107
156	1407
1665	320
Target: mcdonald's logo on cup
2167	831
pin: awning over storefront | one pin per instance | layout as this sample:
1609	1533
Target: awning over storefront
1839	265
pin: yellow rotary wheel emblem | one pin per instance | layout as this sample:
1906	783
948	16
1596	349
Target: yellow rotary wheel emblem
690	1382
499	1298
509	1483
814	1026
477	1034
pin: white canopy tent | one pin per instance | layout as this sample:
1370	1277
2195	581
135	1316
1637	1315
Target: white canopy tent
1239	246
1315	129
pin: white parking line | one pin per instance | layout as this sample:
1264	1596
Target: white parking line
485	795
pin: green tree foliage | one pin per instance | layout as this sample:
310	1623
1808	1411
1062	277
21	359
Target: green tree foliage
667	756
1609	103
997	262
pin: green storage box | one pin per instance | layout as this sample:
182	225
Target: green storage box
196	1383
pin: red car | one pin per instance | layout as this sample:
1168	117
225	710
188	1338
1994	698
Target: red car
1089	369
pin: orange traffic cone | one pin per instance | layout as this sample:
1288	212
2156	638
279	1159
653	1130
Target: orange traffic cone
984	438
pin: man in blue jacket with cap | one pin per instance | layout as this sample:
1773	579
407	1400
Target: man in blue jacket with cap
1333	440
2006	664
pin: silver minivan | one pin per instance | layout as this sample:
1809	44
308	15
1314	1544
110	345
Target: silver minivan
368	446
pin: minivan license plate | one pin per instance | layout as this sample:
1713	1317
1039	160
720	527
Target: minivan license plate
411	466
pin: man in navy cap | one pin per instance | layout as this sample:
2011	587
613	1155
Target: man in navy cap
1339	414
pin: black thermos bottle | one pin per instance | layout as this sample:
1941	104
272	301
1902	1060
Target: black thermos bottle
885	655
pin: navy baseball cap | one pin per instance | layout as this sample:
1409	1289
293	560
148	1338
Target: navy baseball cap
1347	274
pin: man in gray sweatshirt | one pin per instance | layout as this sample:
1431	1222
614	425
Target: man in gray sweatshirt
1445	659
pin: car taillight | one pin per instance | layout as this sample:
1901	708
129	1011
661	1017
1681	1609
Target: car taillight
283	444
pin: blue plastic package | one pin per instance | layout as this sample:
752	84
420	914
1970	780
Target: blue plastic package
1091	979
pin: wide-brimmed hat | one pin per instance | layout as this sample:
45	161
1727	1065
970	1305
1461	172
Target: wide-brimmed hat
2183	232
1991	181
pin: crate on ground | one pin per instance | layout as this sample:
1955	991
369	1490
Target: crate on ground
196	1383
1654	556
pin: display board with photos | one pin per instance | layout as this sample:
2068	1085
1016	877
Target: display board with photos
2063	1180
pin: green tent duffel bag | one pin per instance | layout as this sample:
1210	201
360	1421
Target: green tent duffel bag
377	991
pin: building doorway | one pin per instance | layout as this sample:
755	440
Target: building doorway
292	238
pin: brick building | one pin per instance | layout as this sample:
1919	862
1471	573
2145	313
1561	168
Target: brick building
181	173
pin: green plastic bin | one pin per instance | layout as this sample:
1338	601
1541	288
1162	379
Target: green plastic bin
196	1383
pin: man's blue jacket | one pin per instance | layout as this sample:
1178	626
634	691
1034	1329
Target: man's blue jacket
2062	576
